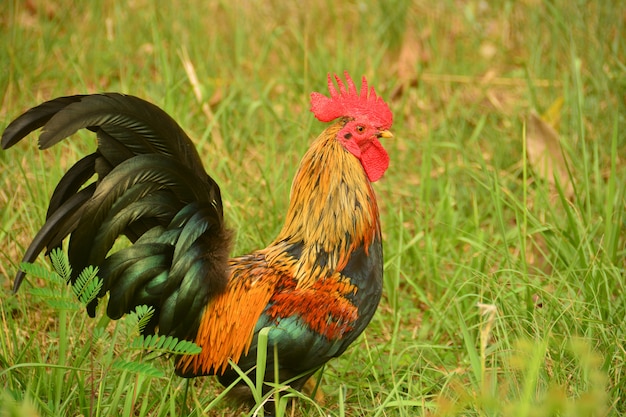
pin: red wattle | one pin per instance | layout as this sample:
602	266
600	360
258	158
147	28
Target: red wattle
375	160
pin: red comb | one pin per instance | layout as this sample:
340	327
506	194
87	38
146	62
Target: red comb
349	103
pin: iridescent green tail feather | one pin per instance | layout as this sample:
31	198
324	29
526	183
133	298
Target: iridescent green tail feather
151	188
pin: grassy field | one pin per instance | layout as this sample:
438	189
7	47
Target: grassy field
504	270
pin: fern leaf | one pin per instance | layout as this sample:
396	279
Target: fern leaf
151	342
46	292
185	347
54	298
41	271
100	334
165	344
143	313
63	304
138	368
91	290
87	285
141	342
169	343
61	264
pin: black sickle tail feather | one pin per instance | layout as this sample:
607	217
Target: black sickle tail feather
151	187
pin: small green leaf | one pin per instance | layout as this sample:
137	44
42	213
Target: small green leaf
61	264
87	285
144	314
63	304
165	344
138	368
41	271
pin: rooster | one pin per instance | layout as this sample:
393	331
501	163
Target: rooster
316	286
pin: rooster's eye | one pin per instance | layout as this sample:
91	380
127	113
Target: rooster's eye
360	129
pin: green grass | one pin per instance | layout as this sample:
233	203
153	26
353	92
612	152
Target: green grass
504	294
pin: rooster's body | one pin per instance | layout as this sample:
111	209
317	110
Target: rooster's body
316	286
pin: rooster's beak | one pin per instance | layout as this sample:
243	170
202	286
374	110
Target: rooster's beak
385	134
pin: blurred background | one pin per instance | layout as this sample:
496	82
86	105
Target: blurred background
502	210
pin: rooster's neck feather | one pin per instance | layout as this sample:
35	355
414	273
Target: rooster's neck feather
332	210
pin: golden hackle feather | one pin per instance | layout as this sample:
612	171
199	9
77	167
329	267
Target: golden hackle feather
323	224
